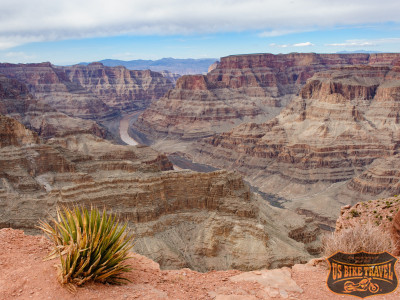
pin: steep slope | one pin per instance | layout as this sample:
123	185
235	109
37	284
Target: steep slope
241	88
89	92
323	149
13	133
18	103
52	86
181	218
381	212
119	87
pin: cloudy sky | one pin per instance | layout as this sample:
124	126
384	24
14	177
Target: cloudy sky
72	31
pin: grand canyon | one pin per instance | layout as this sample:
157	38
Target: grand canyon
242	168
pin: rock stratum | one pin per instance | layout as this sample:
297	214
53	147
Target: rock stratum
89	92
335	144
17	102
181	218
239	89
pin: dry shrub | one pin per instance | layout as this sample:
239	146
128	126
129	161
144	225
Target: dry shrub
361	237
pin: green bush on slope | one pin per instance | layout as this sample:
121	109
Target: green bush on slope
90	244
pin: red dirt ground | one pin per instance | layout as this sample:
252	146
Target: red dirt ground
24	275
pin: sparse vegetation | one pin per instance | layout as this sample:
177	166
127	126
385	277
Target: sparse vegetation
388	204
354	213
361	237
90	244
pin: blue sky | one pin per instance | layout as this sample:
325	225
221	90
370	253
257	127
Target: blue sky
68	32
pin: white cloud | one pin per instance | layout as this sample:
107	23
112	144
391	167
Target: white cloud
365	43
279	45
277	32
351	44
20	56
305	44
24	21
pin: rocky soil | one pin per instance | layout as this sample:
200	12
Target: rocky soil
381	212
24	275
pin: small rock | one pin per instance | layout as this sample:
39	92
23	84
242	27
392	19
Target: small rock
283	294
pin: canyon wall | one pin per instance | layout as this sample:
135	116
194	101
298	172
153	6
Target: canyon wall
119	87
338	141
89	92
239	89
180	218
18	103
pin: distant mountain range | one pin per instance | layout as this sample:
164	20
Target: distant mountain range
358	51
173	65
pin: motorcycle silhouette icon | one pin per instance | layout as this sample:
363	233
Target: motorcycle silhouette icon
361	286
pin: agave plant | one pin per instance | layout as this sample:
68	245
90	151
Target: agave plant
91	245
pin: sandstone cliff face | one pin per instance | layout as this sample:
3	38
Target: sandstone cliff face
181	218
173	77
119	87
242	88
52	86
13	133
89	92
18	103
319	151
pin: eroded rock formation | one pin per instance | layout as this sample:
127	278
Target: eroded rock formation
119	87
241	88
18	103
337	140
181	218
89	92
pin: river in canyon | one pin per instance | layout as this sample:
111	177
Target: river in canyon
180	162
124	124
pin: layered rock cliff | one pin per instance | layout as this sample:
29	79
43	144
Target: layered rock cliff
181	218
18	103
241	88
332	143
119	87
52	86
89	92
